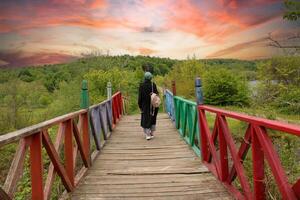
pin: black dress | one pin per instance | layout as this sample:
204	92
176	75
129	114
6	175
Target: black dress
144	100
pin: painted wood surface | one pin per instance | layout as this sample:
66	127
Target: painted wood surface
129	167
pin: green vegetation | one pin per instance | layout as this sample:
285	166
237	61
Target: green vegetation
34	94
292	11
275	95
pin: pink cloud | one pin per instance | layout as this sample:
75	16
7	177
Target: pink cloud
20	59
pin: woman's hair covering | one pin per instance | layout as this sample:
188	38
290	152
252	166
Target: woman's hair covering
148	76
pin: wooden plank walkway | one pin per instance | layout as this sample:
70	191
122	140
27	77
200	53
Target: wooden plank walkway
130	167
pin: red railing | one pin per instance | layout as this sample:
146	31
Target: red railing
73	129
117	107
215	154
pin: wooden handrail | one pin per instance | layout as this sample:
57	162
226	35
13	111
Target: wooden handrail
25	132
272	124
218	147
76	137
256	137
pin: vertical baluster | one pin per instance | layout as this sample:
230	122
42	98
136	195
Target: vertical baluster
36	167
69	160
258	168
223	152
86	136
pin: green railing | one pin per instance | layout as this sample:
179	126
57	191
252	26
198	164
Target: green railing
186	118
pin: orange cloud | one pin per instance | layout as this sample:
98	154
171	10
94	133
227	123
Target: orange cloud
183	15
96	4
238	47
146	51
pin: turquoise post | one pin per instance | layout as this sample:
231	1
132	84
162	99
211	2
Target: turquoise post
84	99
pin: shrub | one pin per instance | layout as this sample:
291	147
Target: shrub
222	87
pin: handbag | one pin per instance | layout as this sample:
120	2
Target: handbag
155	100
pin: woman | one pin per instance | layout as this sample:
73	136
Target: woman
148	119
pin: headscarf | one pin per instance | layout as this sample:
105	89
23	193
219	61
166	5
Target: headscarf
148	76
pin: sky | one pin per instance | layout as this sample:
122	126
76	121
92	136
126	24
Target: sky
55	31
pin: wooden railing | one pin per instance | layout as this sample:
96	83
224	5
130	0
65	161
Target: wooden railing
117	107
169	104
184	113
218	148
256	137
186	118
73	134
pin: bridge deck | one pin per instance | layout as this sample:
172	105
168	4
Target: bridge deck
129	167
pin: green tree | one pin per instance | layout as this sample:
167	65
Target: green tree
222	87
280	83
184	73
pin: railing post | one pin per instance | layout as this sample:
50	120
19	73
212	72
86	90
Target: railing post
84	104
198	90
36	167
201	136
174	88
84	101
108	90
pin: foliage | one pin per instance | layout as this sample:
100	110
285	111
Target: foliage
221	87
34	94
184	73
98	80
279	84
292	12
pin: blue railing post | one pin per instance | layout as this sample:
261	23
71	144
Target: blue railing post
198	91
199	101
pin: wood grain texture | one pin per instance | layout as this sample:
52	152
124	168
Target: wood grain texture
16	169
130	167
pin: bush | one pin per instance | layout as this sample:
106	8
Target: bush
184	73
289	100
222	87
279	84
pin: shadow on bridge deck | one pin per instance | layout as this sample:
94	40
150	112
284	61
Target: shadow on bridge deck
129	167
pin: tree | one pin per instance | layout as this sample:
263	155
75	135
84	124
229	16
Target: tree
184	73
222	87
280	83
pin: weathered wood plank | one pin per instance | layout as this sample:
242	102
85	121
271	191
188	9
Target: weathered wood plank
129	167
51	171
16	169
53	155
3	195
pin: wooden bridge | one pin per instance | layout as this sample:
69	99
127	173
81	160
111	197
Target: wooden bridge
105	155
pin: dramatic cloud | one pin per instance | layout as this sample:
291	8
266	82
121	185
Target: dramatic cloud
172	28
17	59
239	47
